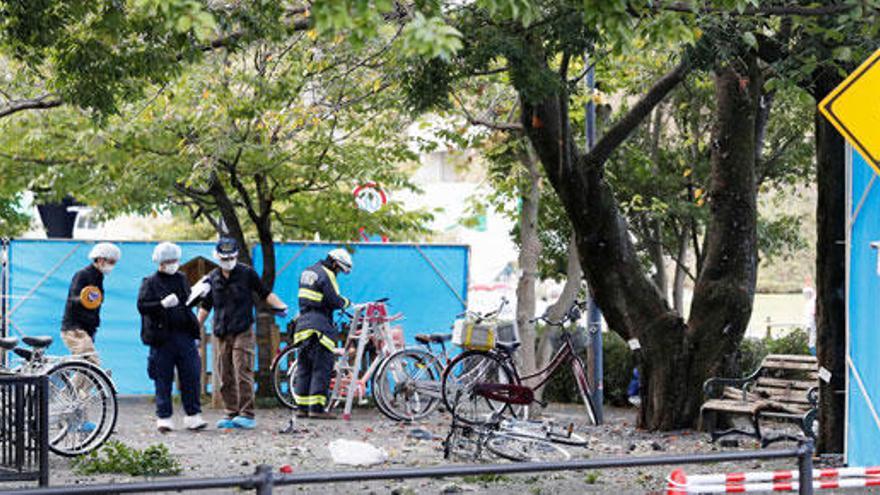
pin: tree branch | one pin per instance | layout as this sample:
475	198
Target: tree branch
619	132
497	126
774	10
38	103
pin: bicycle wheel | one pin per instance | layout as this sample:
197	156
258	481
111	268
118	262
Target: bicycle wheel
283	369
462	444
525	449
407	385
462	373
577	368
82	407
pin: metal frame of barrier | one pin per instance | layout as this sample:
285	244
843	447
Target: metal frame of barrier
24	428
264	480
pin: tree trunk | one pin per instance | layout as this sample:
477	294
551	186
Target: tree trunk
725	288
267	331
680	272
830	270
675	359
654	227
529	254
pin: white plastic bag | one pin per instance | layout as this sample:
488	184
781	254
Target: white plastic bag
356	453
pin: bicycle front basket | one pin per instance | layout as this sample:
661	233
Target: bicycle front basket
474	336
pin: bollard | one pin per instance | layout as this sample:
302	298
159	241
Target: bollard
264	480
805	466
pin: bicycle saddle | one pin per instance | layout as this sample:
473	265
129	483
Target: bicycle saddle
437	338
25	354
37	342
8	343
508	347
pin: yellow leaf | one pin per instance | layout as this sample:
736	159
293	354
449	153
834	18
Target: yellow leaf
377	85
698	33
688	172
206	94
698	192
312	34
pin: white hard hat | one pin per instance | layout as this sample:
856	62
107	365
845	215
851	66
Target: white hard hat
105	250
342	258
166	251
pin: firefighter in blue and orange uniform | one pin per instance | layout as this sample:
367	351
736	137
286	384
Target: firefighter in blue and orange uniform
315	333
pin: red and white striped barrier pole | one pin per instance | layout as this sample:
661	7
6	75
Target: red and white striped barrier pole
771	481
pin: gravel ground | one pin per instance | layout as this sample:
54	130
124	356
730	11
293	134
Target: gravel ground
213	452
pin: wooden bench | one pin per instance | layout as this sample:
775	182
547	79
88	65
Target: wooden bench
785	387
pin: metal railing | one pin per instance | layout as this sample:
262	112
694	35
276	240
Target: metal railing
264	480
24	428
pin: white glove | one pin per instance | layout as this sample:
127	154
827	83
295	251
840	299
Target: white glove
202	288
170	301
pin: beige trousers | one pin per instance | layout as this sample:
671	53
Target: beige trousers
236	355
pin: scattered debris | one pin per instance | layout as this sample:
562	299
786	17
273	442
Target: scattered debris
356	453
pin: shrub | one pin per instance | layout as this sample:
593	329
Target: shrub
752	351
618	364
116	457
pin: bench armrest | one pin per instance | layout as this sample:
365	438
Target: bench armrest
813	396
714	387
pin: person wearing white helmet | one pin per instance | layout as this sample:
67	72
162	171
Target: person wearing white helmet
82	311
315	333
171	330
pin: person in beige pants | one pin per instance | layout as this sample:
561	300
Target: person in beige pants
229	291
82	311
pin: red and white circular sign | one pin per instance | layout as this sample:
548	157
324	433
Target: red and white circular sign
370	197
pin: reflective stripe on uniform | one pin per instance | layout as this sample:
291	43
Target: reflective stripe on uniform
310	400
332	277
311	295
303	335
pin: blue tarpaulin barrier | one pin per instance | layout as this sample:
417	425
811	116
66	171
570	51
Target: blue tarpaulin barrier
863	288
428	283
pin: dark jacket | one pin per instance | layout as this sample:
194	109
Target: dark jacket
76	316
232	299
318	297
158	323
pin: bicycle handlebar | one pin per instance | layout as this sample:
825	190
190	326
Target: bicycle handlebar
573	313
478	317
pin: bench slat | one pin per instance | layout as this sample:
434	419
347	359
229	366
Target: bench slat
797	358
783	395
786	384
788	365
734	406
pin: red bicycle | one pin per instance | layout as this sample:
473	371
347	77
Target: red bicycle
477	385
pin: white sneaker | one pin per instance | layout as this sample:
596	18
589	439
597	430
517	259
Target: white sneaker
164	425
194	422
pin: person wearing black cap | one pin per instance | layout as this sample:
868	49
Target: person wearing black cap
228	291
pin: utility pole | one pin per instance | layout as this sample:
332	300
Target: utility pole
594	316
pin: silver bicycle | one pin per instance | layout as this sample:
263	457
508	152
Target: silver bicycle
82	397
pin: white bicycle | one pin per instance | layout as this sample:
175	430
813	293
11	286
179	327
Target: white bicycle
82	397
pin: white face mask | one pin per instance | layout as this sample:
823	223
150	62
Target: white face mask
227	265
105	268
169	268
